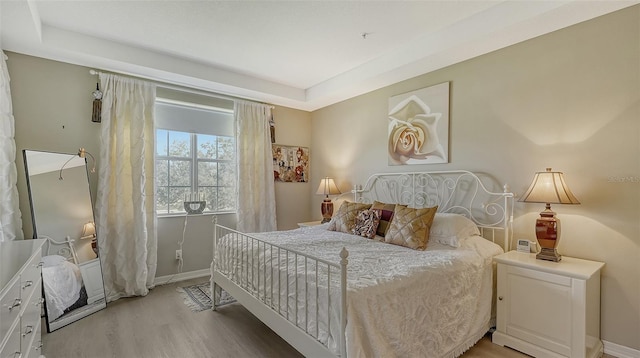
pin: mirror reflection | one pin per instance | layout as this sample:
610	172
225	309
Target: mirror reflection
62	213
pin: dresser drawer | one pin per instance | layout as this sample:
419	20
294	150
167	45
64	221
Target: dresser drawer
30	319
30	276
33	348
12	347
10	306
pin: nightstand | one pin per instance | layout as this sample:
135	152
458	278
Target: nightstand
92	278
309	223
548	309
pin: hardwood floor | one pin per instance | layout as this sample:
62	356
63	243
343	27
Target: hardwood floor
160	325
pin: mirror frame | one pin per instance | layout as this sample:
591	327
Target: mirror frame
88	270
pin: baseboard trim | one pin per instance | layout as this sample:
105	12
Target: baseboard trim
182	276
619	351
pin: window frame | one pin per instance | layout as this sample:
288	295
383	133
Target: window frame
193	160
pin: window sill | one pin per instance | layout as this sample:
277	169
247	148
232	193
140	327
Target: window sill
181	215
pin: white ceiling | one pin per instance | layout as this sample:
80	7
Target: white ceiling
300	54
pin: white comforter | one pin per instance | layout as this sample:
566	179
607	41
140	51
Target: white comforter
62	283
401	302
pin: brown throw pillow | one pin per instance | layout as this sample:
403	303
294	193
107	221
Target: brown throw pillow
385	217
410	227
345	219
367	222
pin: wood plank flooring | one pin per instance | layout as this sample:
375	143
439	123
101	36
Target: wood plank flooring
160	325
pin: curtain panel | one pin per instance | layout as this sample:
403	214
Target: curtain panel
125	204
10	216
256	192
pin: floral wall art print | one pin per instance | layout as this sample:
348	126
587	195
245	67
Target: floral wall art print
419	126
290	164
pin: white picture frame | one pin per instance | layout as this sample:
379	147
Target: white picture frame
419	126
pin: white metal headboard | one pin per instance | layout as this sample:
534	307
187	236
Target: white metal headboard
67	250
461	192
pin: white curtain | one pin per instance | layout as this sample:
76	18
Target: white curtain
125	205
10	217
256	193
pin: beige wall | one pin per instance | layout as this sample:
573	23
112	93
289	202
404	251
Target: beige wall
293	200
52	110
569	100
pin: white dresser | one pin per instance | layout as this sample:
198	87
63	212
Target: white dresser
548	309
20	298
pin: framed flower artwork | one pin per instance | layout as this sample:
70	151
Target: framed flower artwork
290	163
419	126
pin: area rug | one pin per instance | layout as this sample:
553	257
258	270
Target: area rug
198	296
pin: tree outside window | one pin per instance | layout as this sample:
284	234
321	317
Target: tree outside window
190	163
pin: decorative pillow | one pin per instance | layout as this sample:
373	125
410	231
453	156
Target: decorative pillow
410	227
345	219
450	229
367	222
385	218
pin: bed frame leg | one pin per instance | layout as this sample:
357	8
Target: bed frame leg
215	295
215	290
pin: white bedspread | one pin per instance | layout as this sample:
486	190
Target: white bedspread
62	283
401	302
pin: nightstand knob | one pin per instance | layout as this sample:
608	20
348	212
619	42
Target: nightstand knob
500	298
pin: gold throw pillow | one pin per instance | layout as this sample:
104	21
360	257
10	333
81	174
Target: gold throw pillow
410	227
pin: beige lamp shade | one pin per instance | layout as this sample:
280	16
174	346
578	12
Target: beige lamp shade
88	230
549	187
327	187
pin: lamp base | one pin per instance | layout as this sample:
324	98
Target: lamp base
549	254
548	235
327	210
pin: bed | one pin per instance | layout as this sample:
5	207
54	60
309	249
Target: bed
332	293
62	280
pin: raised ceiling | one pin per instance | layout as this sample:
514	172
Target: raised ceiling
300	54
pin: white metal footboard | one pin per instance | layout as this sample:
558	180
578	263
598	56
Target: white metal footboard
301	297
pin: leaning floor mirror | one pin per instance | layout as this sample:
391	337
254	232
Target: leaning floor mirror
62	213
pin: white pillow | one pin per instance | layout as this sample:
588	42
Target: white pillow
450	229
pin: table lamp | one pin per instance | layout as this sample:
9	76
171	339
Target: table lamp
548	187
89	232
327	187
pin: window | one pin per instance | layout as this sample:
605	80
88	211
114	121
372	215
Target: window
199	162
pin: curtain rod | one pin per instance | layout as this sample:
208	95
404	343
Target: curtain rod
183	88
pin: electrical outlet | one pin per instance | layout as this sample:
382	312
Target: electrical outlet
178	254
